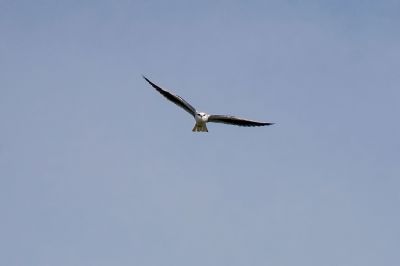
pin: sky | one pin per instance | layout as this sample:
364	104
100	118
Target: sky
97	168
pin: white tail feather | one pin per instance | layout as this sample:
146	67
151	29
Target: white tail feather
200	128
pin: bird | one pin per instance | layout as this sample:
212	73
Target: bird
202	118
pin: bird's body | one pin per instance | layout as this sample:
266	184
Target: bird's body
203	118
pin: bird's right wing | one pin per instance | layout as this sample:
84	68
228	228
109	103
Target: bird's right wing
233	120
176	99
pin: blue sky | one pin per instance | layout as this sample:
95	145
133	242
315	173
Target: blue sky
96	168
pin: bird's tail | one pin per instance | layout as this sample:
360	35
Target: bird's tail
200	128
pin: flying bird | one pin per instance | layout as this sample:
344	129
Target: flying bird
203	118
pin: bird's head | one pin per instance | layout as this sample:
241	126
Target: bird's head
200	116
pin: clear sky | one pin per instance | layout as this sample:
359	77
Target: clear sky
96	168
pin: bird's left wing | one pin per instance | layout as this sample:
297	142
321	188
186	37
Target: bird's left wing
176	99
237	121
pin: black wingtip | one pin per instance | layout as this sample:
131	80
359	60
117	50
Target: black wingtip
143	76
151	83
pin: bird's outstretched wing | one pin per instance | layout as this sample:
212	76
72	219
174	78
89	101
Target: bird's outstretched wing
233	120
176	99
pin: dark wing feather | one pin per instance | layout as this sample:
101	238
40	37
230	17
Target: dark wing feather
233	120
176	99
